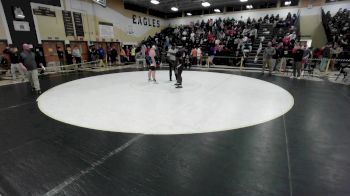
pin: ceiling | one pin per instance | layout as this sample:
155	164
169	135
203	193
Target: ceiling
186	5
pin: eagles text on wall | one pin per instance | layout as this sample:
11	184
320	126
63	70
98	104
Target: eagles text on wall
145	21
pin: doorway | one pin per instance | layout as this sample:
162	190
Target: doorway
50	51
4	58
83	46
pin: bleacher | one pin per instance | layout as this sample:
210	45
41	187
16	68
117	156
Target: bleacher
234	31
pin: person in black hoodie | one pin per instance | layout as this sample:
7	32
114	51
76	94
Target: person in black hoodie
69	57
60	55
16	65
113	54
298	58
179	68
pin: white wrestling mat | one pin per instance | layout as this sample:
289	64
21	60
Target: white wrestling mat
127	102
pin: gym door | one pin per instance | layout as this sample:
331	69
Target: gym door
83	49
3	45
50	50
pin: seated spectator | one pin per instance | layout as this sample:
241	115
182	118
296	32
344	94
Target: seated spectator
228	36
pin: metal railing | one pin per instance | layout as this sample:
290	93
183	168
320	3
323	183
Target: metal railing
325	65
79	66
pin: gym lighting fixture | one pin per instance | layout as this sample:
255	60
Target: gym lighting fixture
243	0
205	4
217	10
189	14
155	2
287	3
249	7
175	9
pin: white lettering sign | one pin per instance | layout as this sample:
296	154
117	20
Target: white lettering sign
106	31
21	26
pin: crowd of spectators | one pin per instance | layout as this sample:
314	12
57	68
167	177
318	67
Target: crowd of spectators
337	27
338	34
203	41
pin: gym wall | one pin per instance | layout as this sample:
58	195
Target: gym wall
2	30
19	36
125	29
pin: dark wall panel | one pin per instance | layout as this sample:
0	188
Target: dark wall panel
19	37
48	2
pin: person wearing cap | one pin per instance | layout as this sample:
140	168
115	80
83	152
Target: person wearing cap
267	57
27	58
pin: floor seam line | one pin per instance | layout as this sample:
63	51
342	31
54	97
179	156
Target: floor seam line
91	168
16	106
288	157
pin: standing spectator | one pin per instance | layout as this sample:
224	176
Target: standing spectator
76	54
283	55
147	51
325	56
101	55
199	56
335	51
15	62
194	56
60	55
113	55
123	58
306	55
69	56
127	53
92	53
143	50
152	66
274	59
267	57
166	43
172	60
211	55
298	58
108	54
27	58
178	71
133	54
39	55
